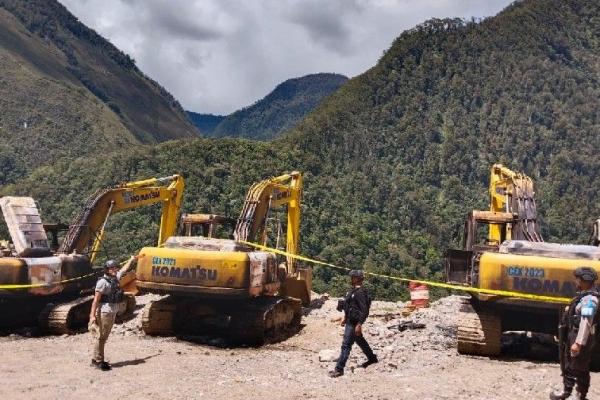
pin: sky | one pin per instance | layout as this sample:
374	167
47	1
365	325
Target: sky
216	56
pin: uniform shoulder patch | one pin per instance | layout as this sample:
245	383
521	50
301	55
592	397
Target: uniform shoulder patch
588	308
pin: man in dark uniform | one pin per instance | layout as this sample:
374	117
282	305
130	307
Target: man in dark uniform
576	332
355	305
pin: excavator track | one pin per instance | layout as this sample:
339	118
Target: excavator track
65	318
126	308
479	331
18	313
255	322
69	317
268	320
158	317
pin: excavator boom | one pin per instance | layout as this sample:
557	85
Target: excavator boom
86	233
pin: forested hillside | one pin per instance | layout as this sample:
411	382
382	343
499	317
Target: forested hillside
206	123
395	159
67	92
280	110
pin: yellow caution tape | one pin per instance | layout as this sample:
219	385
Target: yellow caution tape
470	289
37	285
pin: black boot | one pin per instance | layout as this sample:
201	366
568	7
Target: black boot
370	361
336	373
104	366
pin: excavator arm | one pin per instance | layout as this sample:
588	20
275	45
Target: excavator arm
284	190
595	238
87	230
512	216
512	192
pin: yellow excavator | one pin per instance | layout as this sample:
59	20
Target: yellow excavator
225	286
511	256
47	284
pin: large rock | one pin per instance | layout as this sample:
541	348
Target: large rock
328	355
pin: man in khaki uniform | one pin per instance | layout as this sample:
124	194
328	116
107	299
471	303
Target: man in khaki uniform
105	306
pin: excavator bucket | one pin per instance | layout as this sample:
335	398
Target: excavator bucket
299	286
127	283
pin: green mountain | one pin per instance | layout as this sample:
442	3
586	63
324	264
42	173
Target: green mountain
206	123
279	111
395	158
67	92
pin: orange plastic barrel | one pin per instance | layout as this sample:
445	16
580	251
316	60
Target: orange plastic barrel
419	294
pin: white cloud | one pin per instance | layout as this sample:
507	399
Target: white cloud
220	55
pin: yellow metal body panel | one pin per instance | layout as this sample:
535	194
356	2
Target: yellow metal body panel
13	271
193	268
530	274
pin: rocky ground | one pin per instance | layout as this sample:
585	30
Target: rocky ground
417	363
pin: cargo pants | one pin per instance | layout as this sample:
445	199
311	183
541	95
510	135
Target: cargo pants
577	369
100	330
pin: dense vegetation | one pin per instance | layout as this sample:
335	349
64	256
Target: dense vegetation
279	111
65	91
395	159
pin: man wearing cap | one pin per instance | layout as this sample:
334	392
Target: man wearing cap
107	297
577	336
355	305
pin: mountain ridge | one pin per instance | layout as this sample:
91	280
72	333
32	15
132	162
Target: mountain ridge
277	112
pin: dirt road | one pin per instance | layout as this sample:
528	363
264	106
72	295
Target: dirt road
414	364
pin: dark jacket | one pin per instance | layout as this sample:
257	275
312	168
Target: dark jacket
569	332
356	305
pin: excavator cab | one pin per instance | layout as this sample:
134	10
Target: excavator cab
207	225
460	264
55	233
